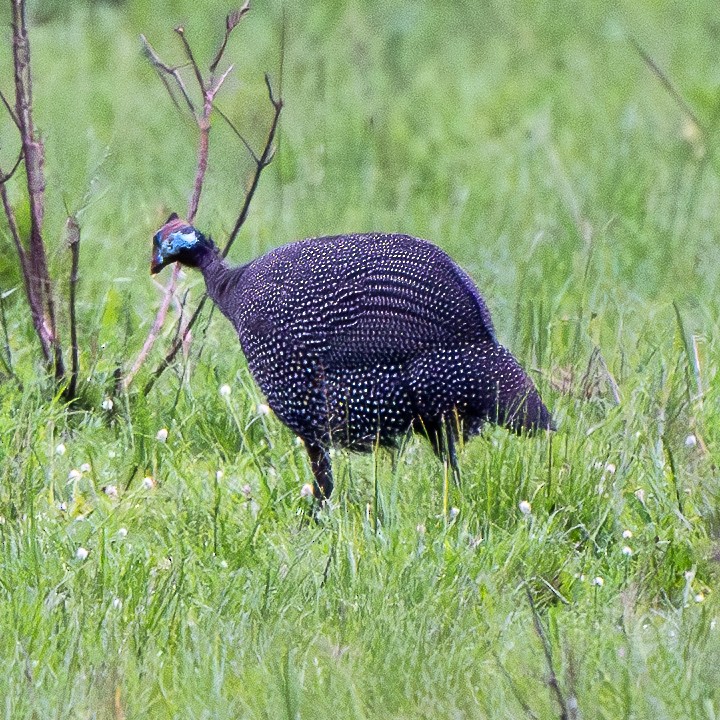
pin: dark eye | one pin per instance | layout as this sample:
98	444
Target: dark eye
156	239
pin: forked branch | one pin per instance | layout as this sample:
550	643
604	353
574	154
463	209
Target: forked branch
208	87
261	163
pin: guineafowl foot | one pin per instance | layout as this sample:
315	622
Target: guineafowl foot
322	470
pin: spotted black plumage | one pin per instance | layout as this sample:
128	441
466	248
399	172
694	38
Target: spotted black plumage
357	339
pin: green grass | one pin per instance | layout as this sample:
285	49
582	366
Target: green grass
530	141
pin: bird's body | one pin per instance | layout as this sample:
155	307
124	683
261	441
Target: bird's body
357	339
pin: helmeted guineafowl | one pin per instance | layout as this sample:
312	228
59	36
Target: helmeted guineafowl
358	339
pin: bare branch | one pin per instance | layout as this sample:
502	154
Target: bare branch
218	83
36	311
193	63
164	69
232	126
175	347
33	152
8	107
262	163
155	329
73	240
4	177
209	91
231	22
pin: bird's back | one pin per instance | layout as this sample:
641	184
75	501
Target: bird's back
359	300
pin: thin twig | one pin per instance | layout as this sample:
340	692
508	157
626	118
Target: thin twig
231	22
36	312
209	90
8	107
175	347
155	329
73	236
193	63
265	159
203	123
230	123
4	177
547	650
165	69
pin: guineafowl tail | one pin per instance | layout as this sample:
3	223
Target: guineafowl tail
477	383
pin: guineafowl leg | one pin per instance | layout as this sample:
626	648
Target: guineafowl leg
322	470
442	435
449	450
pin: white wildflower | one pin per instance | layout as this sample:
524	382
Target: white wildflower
225	391
108	404
219	475
598	582
627	534
627	550
306	491
60	449
640	495
454	512
421	529
525	507
148	482
112	454
299	441
117	603
122	533
162	435
81	553
85	468
74	474
263	409
111	491
690	441
699	597
62	506
246	490
223	564
610	468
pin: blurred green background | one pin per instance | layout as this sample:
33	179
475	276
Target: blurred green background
533	143
528	139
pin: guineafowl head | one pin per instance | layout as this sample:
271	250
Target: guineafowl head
514	400
177	241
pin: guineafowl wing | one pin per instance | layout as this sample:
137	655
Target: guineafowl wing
400	296
356	301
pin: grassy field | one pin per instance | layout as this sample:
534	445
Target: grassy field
142	578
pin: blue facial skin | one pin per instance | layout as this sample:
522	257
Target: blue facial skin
168	250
